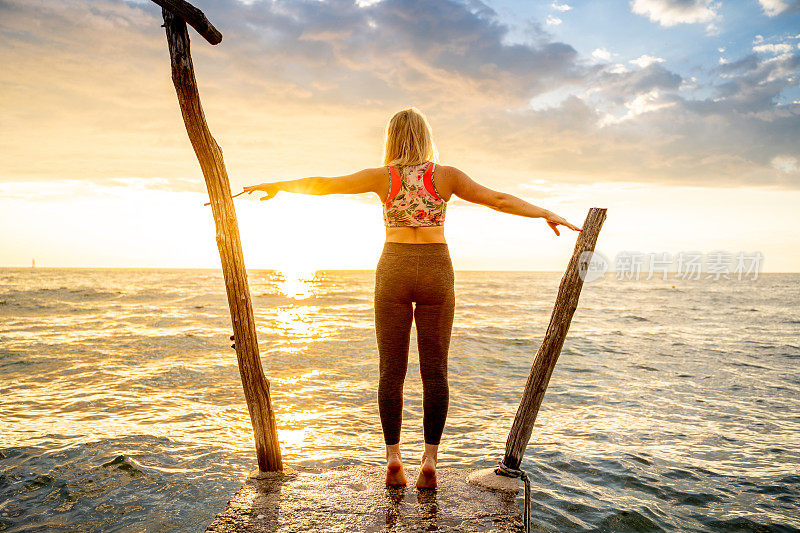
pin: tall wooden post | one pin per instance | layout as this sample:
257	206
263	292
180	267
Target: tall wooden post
545	361
209	154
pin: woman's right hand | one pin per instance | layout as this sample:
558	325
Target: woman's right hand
270	188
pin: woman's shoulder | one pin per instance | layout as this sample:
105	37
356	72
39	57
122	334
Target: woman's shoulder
446	172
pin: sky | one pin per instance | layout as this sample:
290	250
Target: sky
681	117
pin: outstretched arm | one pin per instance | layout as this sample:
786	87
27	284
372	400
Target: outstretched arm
367	180
468	189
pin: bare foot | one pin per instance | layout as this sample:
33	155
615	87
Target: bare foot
394	470
427	473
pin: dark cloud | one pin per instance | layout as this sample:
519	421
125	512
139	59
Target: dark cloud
392	48
748	63
618	87
753	84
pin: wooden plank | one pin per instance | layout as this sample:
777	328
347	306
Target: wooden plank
194	17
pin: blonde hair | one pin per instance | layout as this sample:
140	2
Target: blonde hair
408	140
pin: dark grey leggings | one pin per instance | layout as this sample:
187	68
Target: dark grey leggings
421	273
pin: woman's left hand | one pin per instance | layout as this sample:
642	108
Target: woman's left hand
554	221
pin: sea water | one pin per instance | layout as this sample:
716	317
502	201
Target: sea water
674	405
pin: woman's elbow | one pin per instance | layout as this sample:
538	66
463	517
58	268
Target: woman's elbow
501	202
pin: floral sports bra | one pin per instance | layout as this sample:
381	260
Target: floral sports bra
413	199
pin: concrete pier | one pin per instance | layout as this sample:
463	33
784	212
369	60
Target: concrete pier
355	499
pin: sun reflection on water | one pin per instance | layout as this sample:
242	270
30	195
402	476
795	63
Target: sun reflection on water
296	379
296	321
291	438
293	320
297	284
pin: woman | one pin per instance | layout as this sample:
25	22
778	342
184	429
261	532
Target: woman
414	266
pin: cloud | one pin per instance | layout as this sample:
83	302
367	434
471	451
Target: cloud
774	8
752	84
672	12
620	87
785	163
302	86
640	104
779	48
747	63
88	82
561	7
646	60
553	21
638	123
425	44
601	54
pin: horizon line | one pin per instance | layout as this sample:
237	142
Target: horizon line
336	269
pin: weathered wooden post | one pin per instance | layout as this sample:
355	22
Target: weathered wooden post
566	302
176	14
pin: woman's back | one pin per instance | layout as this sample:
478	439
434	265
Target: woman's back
414	210
413	200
